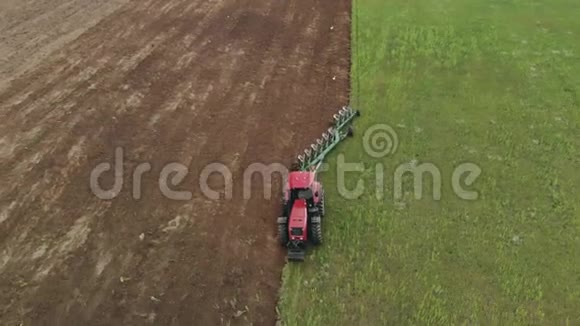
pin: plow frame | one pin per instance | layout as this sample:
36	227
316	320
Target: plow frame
313	156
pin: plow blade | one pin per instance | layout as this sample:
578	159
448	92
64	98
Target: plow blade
315	154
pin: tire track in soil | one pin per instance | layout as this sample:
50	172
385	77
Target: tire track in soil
193	82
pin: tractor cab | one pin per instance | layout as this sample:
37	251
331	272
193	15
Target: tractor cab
302	185
305	194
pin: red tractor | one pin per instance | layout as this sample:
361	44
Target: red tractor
301	220
303	209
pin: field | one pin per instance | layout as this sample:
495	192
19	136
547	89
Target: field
192	82
494	83
490	86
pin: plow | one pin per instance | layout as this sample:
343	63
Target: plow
303	199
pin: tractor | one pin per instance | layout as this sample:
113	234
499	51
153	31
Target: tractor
303	209
303	198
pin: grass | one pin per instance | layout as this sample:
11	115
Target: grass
493	82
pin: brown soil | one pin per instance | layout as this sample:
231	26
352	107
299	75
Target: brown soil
187	81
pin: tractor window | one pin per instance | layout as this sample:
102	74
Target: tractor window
305	194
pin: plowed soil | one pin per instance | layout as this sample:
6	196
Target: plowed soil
187	81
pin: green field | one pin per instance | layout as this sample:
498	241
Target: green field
492	82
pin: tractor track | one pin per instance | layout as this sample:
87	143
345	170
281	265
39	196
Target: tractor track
188	81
